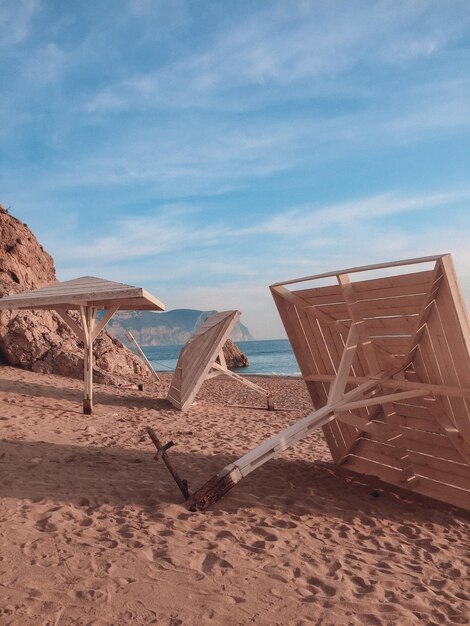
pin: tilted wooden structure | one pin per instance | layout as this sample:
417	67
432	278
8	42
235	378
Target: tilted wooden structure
202	357
387	364
87	295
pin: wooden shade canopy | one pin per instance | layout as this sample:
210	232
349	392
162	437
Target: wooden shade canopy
202	357
387	364
88	295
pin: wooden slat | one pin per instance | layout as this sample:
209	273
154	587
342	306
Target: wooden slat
400	325
391	286
441	470
426	487
362	268
434	444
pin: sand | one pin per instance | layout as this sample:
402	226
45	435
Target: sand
94	531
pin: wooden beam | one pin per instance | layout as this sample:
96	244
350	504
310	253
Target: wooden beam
162	451
393	397
366	425
224	371
363	268
71	323
103	321
354	309
339	384
88	321
313	311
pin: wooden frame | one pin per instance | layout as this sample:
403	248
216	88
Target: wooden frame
202	358
87	295
387	364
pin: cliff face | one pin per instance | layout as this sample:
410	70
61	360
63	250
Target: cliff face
39	340
171	327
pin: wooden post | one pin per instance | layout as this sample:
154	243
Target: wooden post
182	484
88	314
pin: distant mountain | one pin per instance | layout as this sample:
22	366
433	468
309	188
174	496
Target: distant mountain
172	327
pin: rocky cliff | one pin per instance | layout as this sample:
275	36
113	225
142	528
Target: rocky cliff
39	340
172	327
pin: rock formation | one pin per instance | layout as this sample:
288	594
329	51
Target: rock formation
233	356
39	340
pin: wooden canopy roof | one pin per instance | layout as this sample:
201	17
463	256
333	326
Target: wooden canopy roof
404	339
386	361
198	356
88	295
85	291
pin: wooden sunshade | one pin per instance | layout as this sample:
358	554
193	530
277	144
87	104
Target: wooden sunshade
387	365
202	357
88	295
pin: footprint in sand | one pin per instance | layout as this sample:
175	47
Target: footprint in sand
284	524
361	586
318	584
45	526
212	561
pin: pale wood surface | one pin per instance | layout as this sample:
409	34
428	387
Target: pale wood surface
85	291
419	319
198	356
387	365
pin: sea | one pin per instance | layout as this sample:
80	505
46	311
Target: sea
269	356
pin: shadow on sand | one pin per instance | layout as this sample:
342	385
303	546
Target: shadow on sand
75	474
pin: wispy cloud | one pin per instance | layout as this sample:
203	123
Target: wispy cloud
15	20
314	218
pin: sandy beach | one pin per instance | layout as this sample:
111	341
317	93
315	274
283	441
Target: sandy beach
94	531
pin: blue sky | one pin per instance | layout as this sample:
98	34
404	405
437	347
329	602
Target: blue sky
204	150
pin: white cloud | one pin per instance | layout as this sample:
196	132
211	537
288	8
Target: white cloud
286	44
314	218
15	20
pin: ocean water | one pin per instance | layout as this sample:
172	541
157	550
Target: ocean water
270	356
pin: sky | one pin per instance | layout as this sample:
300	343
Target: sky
204	150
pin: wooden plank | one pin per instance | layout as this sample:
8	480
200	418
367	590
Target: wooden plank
403	305
434	444
373	468
103	321
71	323
295	332
363	268
391	286
441	470
363	425
380	399
399	325
297	431
338	385
426	487
377	451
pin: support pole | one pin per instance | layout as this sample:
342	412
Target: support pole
131	338
88	314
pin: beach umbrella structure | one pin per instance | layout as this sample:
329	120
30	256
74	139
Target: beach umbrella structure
86	295
385	353
202	358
